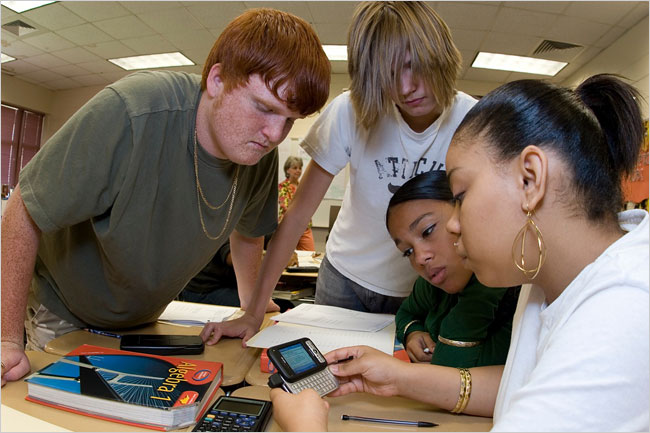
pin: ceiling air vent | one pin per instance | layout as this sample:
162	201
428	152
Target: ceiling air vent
19	28
547	46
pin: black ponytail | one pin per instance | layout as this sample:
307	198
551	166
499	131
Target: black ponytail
597	129
615	105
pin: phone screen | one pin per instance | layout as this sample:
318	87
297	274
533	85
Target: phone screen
297	358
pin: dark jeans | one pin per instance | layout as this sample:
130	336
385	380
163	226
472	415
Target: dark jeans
332	288
221	296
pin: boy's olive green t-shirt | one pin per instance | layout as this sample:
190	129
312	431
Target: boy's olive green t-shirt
114	193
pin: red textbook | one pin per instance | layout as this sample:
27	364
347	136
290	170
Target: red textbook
152	391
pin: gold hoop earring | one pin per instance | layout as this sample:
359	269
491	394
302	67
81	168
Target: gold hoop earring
541	247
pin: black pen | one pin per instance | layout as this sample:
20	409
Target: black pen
389	421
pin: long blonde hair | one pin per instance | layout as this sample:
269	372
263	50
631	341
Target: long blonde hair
379	37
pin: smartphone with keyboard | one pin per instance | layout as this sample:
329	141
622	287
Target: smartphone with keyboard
300	365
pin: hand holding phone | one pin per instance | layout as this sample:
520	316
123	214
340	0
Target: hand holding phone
300	365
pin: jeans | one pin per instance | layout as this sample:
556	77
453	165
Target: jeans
332	288
219	296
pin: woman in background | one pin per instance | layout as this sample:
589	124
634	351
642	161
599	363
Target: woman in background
286	191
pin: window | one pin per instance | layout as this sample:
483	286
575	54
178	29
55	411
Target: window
21	139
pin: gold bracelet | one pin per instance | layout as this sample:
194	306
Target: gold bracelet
468	390
461	394
465	391
457	343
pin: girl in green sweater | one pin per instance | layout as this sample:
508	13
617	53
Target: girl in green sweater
450	318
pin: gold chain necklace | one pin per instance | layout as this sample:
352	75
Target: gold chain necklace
201	197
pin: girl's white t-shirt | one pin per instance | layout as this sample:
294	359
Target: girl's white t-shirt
581	363
381	160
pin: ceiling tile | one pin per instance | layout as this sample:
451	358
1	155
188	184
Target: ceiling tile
576	31
46	60
216	15
100	67
62	84
198	39
96	10
76	55
609	37
551	7
510	43
85	34
48	42
323	12
138	7
111	50
525	22
333	33
125	27
637	70
19	67
149	45
7	37
467	15
468	39
177	18
639	12
43	75
54	17
8	14
69	70
486	75
19	49
607	12
92	80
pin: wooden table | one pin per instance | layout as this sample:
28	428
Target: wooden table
362	404
236	359
30	414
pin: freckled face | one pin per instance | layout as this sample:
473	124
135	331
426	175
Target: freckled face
487	215
418	230
248	122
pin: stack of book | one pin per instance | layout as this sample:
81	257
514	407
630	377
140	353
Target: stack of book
156	392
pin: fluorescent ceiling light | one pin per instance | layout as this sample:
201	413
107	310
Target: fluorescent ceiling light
529	65
336	52
163	60
22	6
6	58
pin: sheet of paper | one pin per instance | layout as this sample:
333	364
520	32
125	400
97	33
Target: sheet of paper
326	316
190	313
309	258
325	339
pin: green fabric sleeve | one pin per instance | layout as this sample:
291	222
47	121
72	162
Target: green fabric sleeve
415	307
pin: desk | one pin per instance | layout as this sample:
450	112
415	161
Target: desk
368	405
255	376
13	396
236	359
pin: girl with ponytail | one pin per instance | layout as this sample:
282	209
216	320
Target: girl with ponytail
535	171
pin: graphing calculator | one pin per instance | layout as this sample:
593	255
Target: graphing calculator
235	414
300	365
